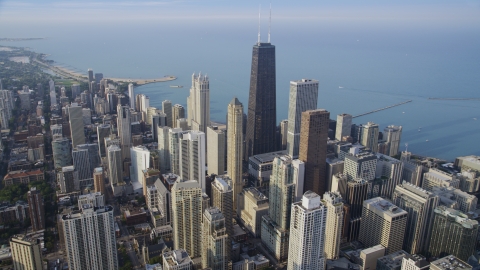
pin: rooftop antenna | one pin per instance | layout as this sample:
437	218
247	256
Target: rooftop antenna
270	22
259	11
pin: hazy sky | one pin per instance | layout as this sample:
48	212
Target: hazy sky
112	10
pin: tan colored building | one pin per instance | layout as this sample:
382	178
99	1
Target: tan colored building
26	252
235	146
99	180
252	206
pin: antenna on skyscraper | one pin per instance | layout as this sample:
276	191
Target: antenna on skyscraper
259	11
270	22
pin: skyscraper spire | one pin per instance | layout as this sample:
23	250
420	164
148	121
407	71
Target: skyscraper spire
259	17
269	22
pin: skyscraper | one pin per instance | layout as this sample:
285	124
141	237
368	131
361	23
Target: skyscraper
168	111
187	217
131	96
214	240
382	223
344	126
262	110
82	164
222	198
192	157
124	130
313	149
90	238
198	103
307	233
235	146
420	205
75	116
99	180
36	209
453	233
93	155
356	194
216	154
287	176
370	136
103	131
115	172
334	226
178	111
140	157
392	135
303	97
90	75
62	152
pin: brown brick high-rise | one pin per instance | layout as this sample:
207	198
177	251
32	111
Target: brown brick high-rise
36	209
313	148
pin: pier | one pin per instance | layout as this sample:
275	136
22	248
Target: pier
381	109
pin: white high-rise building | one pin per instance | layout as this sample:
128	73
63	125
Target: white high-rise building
344	126
187	217
334	203
198	103
140	157
131	96
214	240
192	157
53	95
307	234
382	223
390	170
26	251
124	128
115	172
303	97
235	146
420	205
75	115
370	136
90	238
216	153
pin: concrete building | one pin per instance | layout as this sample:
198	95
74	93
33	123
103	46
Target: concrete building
214	240
450	262
93	155
389	170
252	206
26	252
140	158
344	126
124	128
369	136
90	238
222	198
437	178
67	179
392	135
334	225
96	199
382	223
99	180
168	111
217	153
187	216
313	149
198	103
412	171
392	261
420	205
307	230
456	199
36	209
360	165
192	156
468	163
177	260
131	96
174	136
150	112
414	262
286	179
115	172
303	97
178	112
452	233
62	153
235	146
75	116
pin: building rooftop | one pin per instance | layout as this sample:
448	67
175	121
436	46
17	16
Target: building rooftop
451	262
394	260
177	257
256	194
385	207
456	215
267	157
221	183
186	185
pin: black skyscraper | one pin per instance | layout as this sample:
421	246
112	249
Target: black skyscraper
262	111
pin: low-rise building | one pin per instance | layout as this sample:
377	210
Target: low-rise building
23	177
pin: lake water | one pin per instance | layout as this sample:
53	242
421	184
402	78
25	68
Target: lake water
361	66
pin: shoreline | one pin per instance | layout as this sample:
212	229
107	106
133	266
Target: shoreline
65	72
